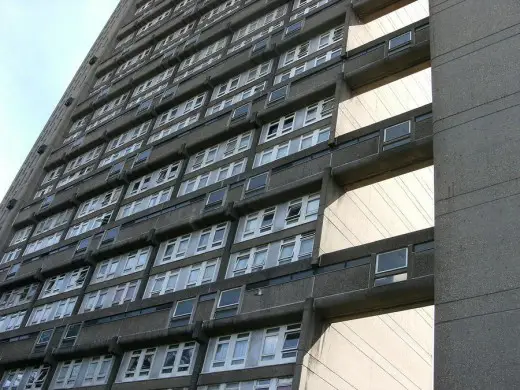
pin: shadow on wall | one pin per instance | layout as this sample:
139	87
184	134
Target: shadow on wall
384	352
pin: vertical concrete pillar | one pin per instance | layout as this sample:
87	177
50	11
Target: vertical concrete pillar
476	90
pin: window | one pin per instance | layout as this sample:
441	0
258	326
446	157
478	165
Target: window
396	134
241	96
12	271
206	179
52	311
94	300
74	176
97	371
12	321
150	88
70	335
230	352
163	283
154	22
128	136
400	41
83	159
142	157
216	198
259	223
240	112
67	374
109	236
309	204
116	169
124	264
154	179
21	235
201	59
43	340
10	256
294	28
17	296
229	298
278	94
184	308
36	378
144	203
139	364
184	108
221	151
252	260
178	358
280	344
64	282
52	222
83	245
393	260
190	276
176	127
118	155
174	39
244	78
218	13
89	225
259	23
125	293
306	10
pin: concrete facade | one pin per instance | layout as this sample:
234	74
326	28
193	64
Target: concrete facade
249	195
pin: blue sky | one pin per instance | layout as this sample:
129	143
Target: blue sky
42	44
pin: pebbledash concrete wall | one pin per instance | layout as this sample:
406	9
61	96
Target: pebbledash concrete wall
26	179
476	90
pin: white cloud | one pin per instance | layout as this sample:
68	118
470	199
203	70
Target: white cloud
43	43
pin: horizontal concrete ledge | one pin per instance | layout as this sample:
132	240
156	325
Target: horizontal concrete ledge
391	297
247	374
365	8
271	317
415	155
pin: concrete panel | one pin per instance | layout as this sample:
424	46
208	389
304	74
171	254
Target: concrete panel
350	279
492	17
276	295
458	151
476	78
479	352
477	250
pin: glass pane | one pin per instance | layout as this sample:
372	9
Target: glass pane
230	297
392	260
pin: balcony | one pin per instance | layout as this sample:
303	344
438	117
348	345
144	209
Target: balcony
393	53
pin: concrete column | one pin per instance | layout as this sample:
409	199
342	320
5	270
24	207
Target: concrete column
476	90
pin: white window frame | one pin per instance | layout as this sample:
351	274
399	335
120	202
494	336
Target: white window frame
21	235
99	202
184	108
120	154
89	224
97	376
75	176
154	179
128	136
173	128
179	351
140	354
281	334
229	361
145	203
